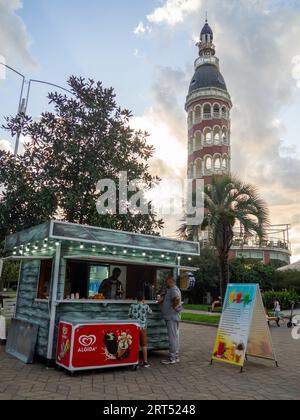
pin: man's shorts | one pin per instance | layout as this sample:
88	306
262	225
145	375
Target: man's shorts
144	338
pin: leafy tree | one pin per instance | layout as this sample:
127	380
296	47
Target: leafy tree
85	139
10	275
288	280
229	201
207	276
253	272
285	298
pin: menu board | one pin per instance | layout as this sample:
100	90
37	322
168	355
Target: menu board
243	328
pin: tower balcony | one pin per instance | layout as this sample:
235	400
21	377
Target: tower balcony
199	114
210	94
275	248
207	60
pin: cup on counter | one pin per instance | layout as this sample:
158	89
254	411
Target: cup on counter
77	296
72	296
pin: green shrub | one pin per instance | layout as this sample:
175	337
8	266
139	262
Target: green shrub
285	297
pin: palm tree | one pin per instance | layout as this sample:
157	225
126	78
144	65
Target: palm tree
229	201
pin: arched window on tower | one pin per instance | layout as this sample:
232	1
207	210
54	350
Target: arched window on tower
217	137
208	163
224	136
216	111
197	113
207	112
208	136
198	139
224	112
217	164
224	164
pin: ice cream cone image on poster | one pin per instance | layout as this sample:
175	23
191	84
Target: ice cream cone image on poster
125	341
239	297
231	298
239	353
221	350
65	347
230	353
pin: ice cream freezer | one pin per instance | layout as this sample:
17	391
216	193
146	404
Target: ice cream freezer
88	345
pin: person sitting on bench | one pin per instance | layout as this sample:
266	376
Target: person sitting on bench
216	303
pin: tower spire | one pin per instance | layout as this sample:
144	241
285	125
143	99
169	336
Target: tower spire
206	46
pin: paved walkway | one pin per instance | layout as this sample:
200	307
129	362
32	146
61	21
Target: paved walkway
193	378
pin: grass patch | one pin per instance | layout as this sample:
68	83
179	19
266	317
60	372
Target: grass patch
203	308
207	319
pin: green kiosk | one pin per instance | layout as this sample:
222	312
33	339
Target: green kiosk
63	266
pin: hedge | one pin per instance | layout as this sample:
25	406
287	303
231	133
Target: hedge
285	298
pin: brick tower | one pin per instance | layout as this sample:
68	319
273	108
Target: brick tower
208	106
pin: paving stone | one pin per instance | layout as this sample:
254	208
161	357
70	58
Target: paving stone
193	378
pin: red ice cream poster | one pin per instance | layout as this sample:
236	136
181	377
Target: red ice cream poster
96	346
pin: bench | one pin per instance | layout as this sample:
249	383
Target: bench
273	319
210	309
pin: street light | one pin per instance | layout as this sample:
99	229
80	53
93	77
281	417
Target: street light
23	102
44	83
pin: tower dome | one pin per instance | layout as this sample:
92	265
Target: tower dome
207	76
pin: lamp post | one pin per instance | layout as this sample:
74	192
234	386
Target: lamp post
23	101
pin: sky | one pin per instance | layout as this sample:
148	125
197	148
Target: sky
146	50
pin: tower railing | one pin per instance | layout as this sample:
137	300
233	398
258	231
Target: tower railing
277	238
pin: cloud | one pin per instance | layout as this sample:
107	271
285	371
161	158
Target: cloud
141	29
5	145
14	39
174	11
166	122
258	44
